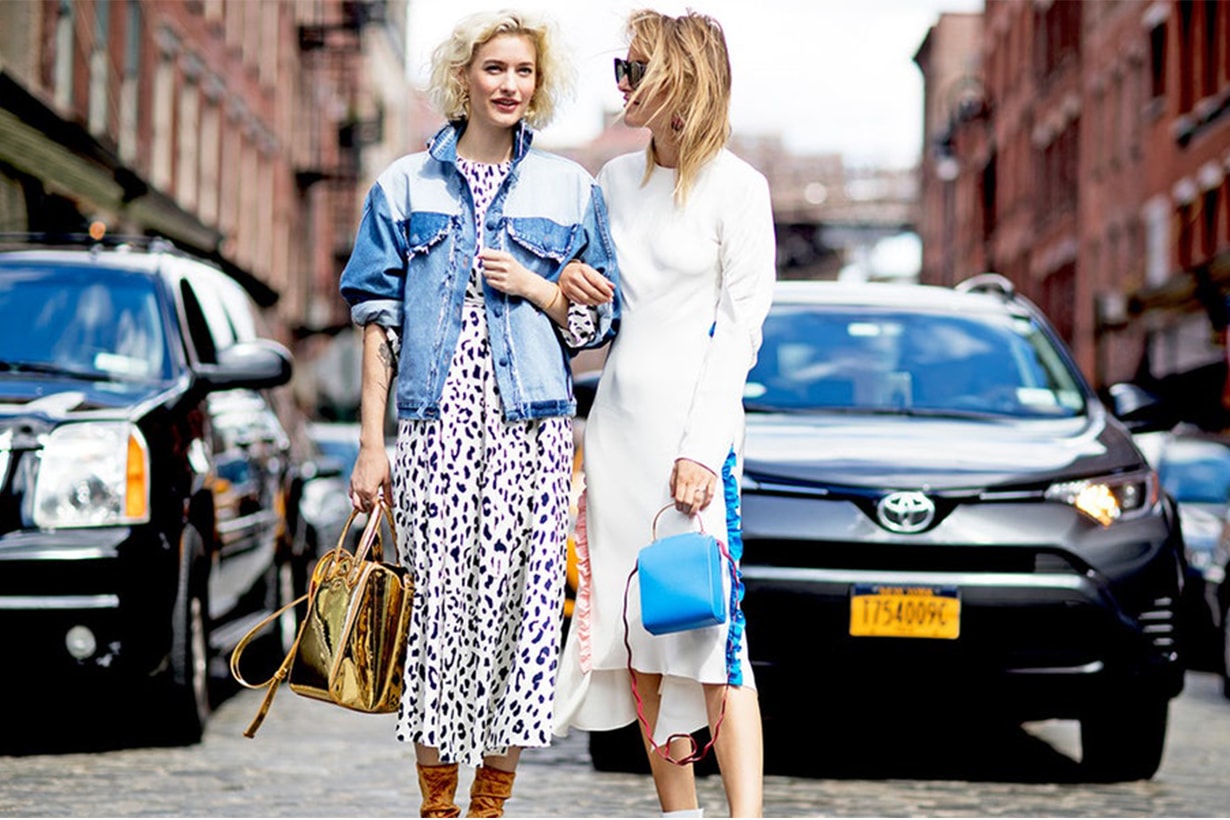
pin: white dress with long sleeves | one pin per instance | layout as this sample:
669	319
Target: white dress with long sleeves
697	282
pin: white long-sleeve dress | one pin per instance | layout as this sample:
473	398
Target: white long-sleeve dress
697	282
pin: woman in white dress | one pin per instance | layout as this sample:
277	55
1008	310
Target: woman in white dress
693	230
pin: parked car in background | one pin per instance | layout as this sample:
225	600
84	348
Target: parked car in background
1194	468
325	498
144	470
938	511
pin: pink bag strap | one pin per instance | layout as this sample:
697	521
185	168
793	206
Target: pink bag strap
663	750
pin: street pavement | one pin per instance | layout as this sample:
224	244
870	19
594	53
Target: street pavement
313	760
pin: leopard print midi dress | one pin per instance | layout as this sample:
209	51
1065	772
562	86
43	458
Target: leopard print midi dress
482	514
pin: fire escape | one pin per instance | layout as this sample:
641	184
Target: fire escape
328	174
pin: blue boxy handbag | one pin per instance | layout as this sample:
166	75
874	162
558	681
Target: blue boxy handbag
681	589
681	582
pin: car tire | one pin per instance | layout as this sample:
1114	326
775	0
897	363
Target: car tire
618	750
287	626
1123	737
622	750
186	684
1225	644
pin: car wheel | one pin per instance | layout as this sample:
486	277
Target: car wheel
188	695
1225	643
618	750
288	590
1123	738
187	681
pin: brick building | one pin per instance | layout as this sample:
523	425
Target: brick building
1087	162
236	129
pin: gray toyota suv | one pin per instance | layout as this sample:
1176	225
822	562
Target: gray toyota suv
938	511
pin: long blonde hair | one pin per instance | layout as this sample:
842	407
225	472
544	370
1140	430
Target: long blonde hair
689	72
453	56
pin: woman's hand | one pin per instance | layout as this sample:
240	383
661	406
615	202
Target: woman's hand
692	486
507	275
371	477
583	285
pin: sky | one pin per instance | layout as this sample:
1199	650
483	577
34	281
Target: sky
824	75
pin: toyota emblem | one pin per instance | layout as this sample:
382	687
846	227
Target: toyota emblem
905	512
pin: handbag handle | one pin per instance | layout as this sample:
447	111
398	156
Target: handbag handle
663	750
339	555
370	544
653	530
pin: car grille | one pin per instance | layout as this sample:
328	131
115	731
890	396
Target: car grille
909	557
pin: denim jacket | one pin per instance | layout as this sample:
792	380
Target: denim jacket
414	249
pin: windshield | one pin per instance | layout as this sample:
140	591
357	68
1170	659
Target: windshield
852	359
74	321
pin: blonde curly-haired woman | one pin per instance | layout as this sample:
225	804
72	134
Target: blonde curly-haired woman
453	280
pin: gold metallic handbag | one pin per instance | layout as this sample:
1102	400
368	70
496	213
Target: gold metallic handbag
351	646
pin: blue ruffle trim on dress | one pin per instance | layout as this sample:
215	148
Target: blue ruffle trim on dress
734	543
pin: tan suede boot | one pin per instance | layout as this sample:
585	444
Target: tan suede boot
438	785
490	789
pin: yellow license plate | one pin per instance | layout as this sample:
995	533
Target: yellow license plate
905	611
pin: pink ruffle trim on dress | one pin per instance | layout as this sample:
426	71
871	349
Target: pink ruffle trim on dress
581	604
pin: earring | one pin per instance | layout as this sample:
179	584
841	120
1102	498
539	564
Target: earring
676	123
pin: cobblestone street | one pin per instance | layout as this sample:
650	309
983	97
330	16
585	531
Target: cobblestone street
310	760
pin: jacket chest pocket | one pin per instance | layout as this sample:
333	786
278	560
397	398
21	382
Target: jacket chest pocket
426	230
543	238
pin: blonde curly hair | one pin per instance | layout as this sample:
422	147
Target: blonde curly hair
452	57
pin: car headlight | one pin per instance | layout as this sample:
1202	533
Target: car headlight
1108	499
92	474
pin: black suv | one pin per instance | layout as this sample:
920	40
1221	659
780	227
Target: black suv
145	479
938	510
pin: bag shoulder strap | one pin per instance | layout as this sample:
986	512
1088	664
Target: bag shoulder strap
283	670
663	750
369	549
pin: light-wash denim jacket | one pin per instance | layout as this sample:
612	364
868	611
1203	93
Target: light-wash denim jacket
412	257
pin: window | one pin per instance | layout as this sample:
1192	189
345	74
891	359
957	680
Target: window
130	84
80	322
100	78
824	358
1157	60
1186	60
1212	11
64	55
161	163
1209	209
188	147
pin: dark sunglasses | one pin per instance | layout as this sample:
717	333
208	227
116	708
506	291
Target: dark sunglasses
630	70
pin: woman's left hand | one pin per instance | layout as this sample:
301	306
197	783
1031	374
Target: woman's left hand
506	274
692	486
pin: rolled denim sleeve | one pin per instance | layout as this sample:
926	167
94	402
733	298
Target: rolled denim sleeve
598	251
373	281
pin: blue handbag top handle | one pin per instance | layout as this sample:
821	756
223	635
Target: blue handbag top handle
653	529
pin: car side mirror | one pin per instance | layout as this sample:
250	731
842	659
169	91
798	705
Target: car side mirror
1137	408
253	365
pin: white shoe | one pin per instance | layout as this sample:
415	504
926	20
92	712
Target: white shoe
685	813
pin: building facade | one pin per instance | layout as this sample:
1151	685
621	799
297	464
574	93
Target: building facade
236	129
1089	166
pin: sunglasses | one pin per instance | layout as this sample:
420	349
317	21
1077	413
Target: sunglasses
630	70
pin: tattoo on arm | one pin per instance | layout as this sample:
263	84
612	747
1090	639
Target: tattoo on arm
386	357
